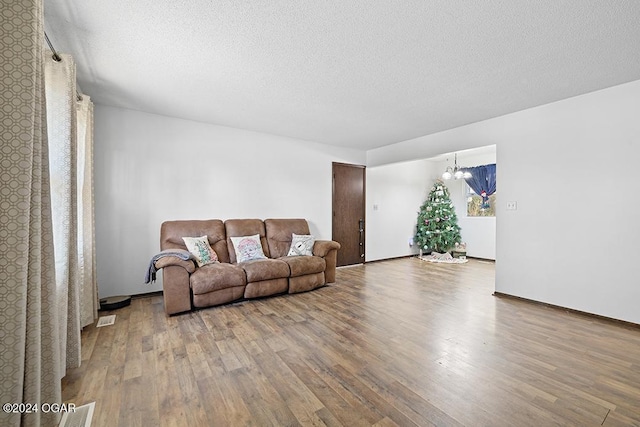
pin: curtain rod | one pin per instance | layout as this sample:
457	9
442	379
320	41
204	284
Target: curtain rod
58	58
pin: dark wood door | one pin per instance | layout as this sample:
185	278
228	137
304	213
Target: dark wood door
348	212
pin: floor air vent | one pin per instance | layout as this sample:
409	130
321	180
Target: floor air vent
81	417
106	321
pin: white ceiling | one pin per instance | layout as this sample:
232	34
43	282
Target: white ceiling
353	73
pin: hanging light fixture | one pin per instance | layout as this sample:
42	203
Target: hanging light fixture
456	172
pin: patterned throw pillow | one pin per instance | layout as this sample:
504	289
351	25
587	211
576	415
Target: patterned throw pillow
248	248
201	250
301	244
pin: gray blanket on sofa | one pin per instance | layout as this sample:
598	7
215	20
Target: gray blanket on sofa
150	277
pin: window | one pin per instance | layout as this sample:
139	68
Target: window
474	204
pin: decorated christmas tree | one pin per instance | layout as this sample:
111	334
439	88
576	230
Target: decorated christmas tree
437	229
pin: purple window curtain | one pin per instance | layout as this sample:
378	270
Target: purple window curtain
482	181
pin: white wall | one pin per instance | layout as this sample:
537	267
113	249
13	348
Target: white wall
398	190
149	169
574	240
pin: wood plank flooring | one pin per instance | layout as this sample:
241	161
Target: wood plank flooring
394	343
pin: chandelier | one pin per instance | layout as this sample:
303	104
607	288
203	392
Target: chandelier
455	172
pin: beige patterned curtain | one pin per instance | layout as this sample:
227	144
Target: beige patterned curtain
60	86
86	217
29	353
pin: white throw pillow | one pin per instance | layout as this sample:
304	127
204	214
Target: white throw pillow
301	244
248	248
201	250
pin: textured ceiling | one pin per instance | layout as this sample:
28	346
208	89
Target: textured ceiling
354	73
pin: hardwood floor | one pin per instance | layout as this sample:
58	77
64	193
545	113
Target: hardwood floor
401	342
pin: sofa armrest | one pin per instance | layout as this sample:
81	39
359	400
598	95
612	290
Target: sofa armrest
176	272
322	248
168	261
176	290
328	249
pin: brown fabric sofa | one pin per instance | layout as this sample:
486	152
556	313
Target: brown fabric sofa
186	286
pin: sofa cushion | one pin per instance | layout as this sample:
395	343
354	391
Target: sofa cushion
201	250
265	269
213	277
301	245
301	265
279	233
247	248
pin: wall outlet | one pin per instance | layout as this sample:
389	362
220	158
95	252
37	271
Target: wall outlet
512	206
375	207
